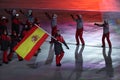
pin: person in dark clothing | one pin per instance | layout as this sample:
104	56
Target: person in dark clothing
79	29
106	33
13	14
14	41
3	24
16	25
3	27
37	21
5	42
59	52
15	21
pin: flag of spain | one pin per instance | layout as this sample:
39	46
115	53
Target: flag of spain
27	47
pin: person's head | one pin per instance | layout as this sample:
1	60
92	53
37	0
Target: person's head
37	19
54	16
16	16
29	12
14	12
79	16
3	17
105	21
26	26
14	33
5	32
58	33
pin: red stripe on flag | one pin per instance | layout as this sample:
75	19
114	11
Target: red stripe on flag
35	48
26	36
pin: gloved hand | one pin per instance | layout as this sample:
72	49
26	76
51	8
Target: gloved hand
67	47
95	23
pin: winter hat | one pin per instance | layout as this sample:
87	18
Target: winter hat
3	17
16	14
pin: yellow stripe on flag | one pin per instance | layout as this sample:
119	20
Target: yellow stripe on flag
30	42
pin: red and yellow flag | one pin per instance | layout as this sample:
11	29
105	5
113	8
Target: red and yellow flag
27	47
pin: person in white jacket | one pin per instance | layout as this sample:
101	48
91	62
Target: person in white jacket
53	20
106	32
79	29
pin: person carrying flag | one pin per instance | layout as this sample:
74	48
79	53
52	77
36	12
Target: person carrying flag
59	52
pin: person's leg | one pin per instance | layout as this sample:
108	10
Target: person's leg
103	40
108	40
5	60
1	58
81	37
77	37
61	55
57	60
19	58
10	55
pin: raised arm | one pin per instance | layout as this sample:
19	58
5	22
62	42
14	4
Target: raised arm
100	25
49	17
72	17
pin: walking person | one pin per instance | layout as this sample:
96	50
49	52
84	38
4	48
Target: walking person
3	24
106	33
5	42
79	29
59	52
53	19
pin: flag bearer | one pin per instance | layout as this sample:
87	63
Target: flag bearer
59	52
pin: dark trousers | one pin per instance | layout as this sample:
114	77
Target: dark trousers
107	36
